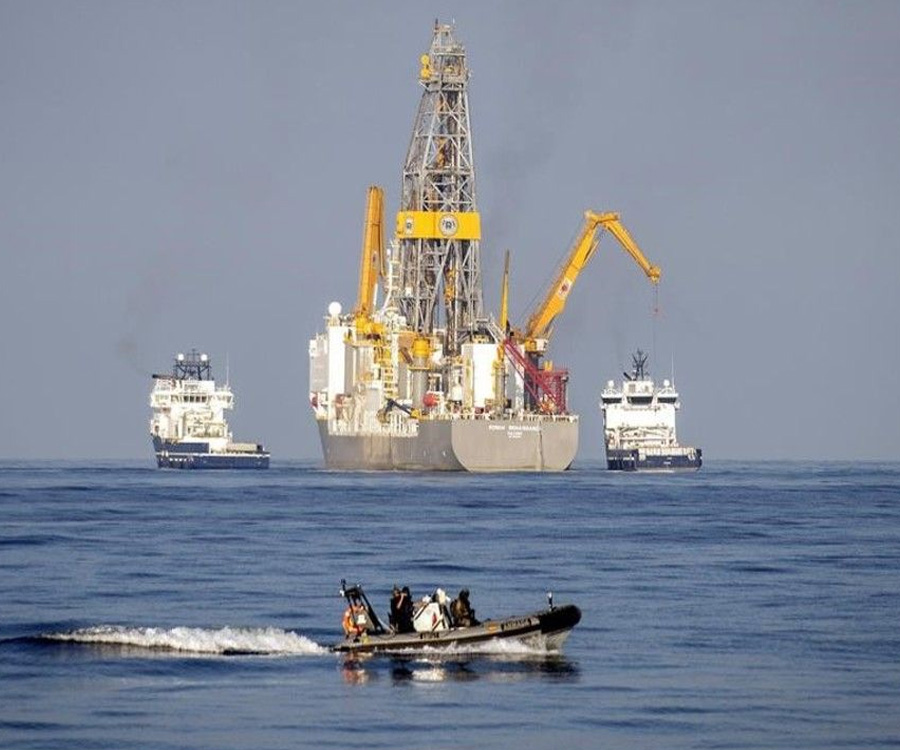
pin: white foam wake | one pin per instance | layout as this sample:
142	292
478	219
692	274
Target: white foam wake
503	648
196	640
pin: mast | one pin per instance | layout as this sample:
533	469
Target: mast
639	366
438	225
194	366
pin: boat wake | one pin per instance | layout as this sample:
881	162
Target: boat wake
508	649
204	641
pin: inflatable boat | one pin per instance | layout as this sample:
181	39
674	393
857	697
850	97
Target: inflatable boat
433	626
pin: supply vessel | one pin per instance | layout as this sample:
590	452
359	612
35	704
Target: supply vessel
188	426
418	376
639	424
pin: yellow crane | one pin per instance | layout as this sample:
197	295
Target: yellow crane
372	257
540	324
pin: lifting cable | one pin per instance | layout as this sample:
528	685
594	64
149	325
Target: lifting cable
654	318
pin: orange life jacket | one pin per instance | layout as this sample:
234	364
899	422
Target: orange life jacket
355	620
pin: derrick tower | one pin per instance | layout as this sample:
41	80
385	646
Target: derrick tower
438	226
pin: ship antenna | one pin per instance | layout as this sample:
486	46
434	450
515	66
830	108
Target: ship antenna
227	373
639	362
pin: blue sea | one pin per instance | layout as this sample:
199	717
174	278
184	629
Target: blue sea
750	605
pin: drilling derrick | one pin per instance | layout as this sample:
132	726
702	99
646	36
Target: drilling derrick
438	226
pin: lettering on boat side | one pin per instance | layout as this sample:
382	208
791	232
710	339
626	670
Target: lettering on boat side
522	622
514	429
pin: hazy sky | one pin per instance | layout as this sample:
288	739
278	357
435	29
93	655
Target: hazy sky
193	174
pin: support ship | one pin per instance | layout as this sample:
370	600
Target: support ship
188	425
424	379
639	424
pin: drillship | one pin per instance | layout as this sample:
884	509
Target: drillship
424	379
188	425
639	424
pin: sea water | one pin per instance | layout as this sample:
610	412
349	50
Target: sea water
749	605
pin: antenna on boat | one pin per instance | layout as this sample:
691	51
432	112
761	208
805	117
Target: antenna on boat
227	373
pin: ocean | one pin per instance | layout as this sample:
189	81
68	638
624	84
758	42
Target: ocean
749	605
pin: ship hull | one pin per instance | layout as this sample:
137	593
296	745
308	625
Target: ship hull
172	455
482	445
618	459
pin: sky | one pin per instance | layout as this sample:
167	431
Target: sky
193	175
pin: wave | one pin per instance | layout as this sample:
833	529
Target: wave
226	641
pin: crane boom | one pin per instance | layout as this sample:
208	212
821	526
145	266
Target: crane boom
617	229
371	259
540	324
504	295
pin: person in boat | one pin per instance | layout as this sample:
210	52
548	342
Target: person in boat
462	612
401	617
356	619
394	616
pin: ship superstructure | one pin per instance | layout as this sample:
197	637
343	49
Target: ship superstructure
188	426
639	424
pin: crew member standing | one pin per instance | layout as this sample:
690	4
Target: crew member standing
401	617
